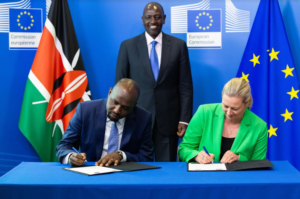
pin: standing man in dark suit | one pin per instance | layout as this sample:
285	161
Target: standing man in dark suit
109	130
159	63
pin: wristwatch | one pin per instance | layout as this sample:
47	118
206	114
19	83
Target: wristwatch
120	153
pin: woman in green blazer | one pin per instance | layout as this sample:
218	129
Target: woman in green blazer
229	131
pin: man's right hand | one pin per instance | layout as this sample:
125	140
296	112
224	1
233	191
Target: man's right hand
76	159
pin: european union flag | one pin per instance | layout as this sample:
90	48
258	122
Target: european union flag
25	20
204	20
269	67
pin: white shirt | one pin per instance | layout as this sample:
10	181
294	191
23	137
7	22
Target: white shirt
158	45
109	123
120	126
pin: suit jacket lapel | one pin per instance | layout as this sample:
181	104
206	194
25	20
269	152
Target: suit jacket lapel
143	52
100	124
218	123
242	132
165	54
128	128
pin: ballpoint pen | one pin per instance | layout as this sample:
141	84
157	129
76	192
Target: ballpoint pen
207	152
77	152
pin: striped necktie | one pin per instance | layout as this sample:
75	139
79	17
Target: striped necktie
113	140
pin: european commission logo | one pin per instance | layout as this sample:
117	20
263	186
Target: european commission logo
204	21
204	29
236	20
25	28
25	20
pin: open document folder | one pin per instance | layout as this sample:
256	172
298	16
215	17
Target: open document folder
123	166
235	166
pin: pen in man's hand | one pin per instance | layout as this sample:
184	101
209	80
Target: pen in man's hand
207	152
77	152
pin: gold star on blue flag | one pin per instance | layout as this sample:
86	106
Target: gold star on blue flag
274	86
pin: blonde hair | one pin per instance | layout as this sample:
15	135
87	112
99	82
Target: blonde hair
238	87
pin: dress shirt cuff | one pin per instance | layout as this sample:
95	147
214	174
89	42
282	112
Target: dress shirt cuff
66	159
124	157
184	123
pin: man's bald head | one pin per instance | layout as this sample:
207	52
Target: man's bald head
128	86
122	99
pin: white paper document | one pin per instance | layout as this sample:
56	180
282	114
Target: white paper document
93	170
206	167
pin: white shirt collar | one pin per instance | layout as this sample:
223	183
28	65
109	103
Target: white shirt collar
121	121
149	39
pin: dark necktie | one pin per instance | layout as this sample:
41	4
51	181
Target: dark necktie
154	60
113	141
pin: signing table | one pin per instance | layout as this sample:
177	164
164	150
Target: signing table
49	180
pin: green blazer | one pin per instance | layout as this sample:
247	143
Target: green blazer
205	129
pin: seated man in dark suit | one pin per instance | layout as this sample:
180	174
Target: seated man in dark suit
109	131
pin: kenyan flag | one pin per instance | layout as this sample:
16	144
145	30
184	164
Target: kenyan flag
57	82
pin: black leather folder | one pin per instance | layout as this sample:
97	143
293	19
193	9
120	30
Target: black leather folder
249	165
133	166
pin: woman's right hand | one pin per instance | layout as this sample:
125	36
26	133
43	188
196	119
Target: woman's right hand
203	158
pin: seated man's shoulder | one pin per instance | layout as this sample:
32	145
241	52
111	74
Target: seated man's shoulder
141	111
92	103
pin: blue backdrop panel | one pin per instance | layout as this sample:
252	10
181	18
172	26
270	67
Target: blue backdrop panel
101	26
